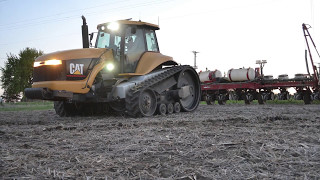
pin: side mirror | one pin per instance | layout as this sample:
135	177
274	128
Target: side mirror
91	37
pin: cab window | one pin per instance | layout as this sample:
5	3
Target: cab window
107	40
103	40
151	41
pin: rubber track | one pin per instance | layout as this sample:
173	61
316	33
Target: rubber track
59	107
132	97
64	109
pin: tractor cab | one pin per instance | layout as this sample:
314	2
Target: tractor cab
128	40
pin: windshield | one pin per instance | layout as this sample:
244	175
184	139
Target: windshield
128	45
106	40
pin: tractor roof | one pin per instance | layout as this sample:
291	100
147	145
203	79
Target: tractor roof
137	23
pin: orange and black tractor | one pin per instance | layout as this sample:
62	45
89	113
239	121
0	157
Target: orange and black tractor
125	72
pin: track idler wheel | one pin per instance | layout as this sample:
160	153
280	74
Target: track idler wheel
170	108
190	79
162	109
176	107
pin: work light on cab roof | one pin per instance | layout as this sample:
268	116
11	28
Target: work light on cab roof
114	26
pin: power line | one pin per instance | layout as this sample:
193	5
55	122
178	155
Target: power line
38	39
57	14
29	24
90	14
214	11
93	13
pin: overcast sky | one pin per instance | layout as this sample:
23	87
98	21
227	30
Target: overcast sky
227	33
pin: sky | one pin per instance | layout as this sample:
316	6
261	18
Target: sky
226	33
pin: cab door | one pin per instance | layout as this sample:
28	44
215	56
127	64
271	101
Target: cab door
135	46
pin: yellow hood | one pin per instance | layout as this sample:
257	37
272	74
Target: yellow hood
73	54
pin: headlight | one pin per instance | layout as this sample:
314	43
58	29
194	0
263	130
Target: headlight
47	62
110	67
37	64
52	62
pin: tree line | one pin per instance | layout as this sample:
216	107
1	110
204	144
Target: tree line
17	73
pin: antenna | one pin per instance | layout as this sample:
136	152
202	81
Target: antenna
195	59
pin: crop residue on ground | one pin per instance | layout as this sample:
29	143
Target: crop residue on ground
214	142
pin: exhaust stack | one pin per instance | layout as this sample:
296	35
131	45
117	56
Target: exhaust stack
85	33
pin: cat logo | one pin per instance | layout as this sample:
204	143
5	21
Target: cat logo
76	69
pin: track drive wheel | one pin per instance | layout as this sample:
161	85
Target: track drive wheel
189	77
147	102
64	109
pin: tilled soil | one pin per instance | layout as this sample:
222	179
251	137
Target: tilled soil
214	142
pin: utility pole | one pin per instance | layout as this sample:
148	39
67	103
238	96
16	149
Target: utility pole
195	59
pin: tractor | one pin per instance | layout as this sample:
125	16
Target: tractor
124	72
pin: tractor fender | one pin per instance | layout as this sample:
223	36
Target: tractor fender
151	60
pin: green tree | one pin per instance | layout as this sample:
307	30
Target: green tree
17	73
7	78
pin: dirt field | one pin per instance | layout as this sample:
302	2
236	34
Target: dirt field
214	142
